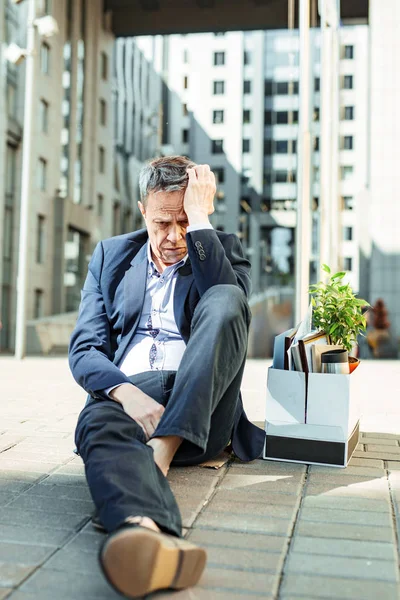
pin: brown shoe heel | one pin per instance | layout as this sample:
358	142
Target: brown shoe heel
137	561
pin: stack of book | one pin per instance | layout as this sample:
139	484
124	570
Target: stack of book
300	352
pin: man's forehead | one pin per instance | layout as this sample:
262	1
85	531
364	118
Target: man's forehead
166	204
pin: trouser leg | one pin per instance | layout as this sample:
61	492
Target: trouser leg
121	473
202	404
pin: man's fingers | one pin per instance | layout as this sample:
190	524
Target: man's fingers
192	175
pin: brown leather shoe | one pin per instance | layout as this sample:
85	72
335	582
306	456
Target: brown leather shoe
137	561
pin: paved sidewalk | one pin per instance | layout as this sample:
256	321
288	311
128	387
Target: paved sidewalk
272	530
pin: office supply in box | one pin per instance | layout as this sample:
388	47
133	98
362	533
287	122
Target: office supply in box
311	418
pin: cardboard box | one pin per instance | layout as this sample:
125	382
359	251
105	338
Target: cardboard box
313	419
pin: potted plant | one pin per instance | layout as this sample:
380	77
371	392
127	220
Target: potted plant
337	311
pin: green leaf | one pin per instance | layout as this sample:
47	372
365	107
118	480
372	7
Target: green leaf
326	269
339	275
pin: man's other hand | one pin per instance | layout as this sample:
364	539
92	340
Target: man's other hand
139	406
198	201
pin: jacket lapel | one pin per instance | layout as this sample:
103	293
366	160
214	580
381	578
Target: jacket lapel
183	283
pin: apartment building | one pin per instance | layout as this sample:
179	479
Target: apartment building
72	182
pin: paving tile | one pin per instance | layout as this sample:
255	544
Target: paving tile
65	506
59	492
378	479
353	471
232	539
12	575
4	592
336	547
68	583
383	455
12	485
393	465
371	489
349	503
235	581
74	561
33	534
224	505
380	441
245	560
62	479
208	594
246	523
268	467
40	518
24	554
383	448
26	466
329	515
71	469
339	588
261	484
269	498
365	462
345	532
86	541
342	566
383	436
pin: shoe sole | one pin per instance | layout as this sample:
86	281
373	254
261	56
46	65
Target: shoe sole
137	561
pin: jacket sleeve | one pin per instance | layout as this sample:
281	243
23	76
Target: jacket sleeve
90	349
214	263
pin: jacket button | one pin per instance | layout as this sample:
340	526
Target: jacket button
197	244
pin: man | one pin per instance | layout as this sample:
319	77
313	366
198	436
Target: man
160	347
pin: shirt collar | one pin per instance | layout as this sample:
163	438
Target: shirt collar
152	267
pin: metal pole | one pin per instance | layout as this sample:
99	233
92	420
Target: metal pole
23	254
303	233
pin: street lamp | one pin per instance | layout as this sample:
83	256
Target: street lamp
46	26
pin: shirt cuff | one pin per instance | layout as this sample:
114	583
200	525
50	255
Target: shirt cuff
199	227
110	389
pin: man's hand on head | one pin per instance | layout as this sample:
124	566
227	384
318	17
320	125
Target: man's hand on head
198	201
139	406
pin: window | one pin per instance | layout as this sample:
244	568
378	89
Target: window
219	173
45	58
282	88
316	174
348	264
42	174
285	176
185	110
11	99
347	142
8	232
349	113
38	308
267	147
348	202
219	87
185	56
347	234
219	33
316	143
282	117
246	146
185	82
268	117
246	116
185	136
40	239
281	147
349	52
268	87
103	112
295	87
104	66
247	87
295	116
316	114
317	84
346	172
294	146
219	58
218	116
217	146
100	205
102	159
44	116
348	82
116	218
246	57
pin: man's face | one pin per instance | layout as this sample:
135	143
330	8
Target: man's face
166	224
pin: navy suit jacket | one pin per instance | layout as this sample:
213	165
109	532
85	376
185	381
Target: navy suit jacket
111	305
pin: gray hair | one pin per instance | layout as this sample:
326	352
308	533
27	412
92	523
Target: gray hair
167	174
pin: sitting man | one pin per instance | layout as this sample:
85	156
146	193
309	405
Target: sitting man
160	347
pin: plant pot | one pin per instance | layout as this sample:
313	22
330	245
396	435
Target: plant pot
353	363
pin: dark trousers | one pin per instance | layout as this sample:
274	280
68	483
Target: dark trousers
200	401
